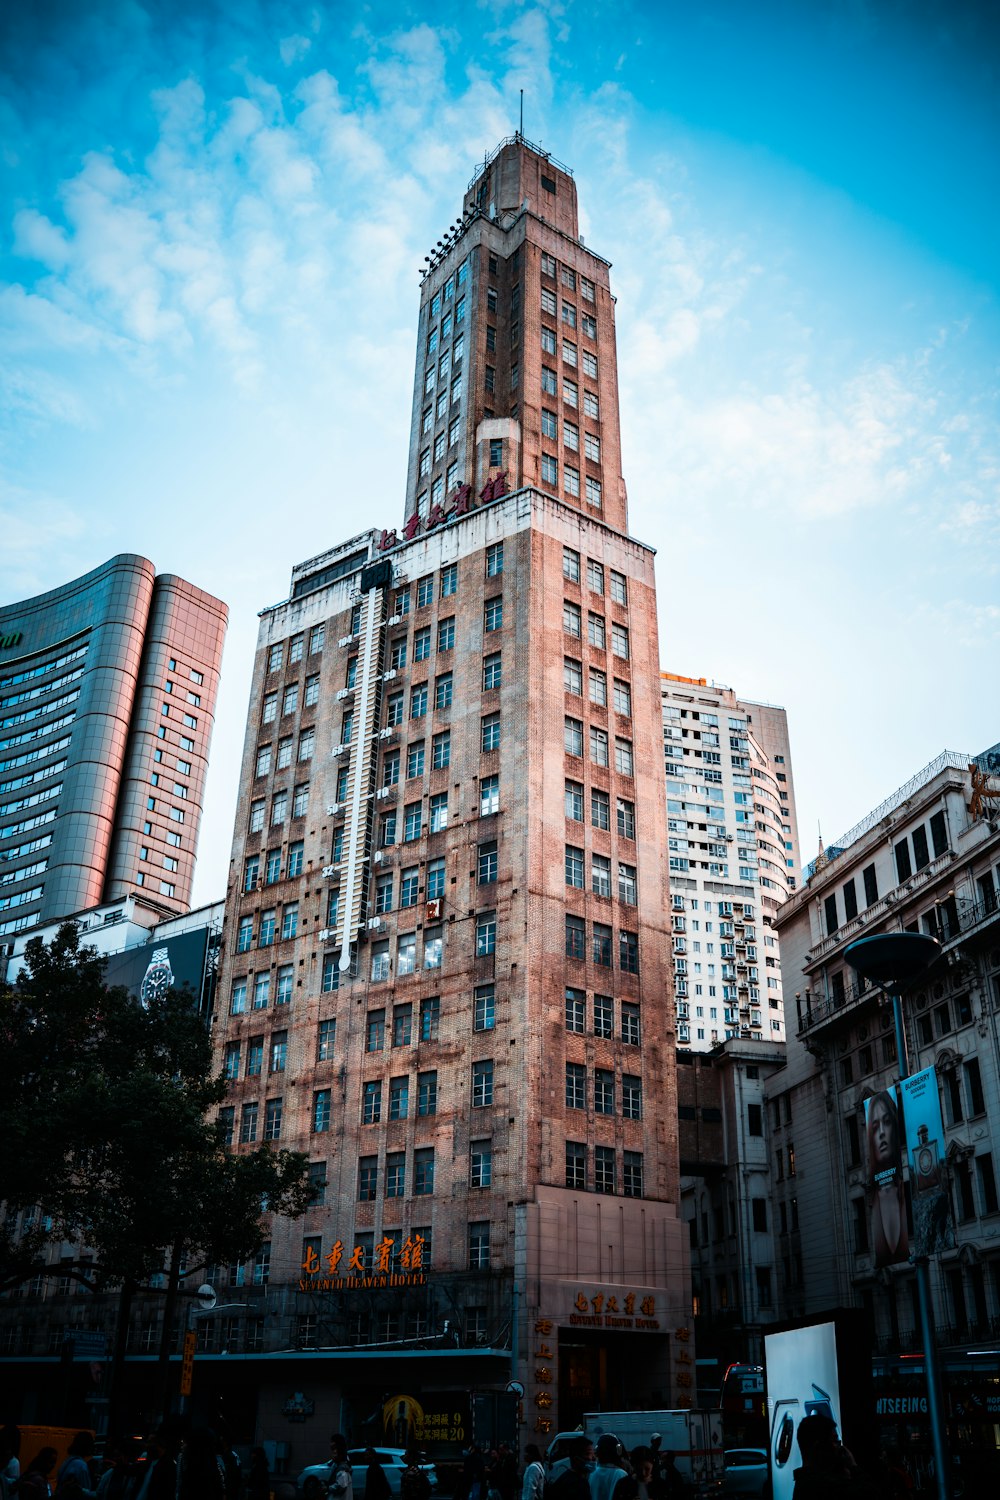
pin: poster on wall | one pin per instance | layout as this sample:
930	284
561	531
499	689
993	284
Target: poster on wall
933	1225
802	1379
154	968
886	1197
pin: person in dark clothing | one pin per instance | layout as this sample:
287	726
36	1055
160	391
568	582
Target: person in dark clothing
201	1473
473	1481
259	1482
574	1483
35	1479
828	1469
413	1483
504	1475
376	1483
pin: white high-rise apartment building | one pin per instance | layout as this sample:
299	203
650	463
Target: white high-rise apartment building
734	858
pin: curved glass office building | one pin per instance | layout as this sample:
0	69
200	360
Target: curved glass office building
107	700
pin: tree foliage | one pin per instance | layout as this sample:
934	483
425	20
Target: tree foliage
108	1122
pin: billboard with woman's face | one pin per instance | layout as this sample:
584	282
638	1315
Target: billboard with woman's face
886	1197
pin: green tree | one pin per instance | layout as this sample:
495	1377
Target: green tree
109	1109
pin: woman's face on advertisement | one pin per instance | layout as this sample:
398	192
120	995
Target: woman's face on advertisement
883	1134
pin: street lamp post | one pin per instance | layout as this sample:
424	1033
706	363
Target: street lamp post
893	961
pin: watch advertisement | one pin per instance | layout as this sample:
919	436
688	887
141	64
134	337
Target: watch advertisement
171	963
933	1226
802	1379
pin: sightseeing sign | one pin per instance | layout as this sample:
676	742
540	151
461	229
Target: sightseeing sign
392	1263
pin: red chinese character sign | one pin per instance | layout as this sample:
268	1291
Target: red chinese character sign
459	503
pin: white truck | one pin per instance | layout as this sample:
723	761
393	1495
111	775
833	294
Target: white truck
693	1437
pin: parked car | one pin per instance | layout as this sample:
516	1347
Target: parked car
313	1481
746	1472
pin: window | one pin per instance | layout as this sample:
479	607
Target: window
248	1123
422	644
484	1008
415	759
402	1025
576	1165
321	1110
427	1090
571	480
307	744
412	821
251	873
423	1171
591	405
446	634
367	1179
408	887
231	1061
406	953
480	1164
371	1110
572	620
312	691
487	867
380	961
630	1024
433	948
482	1084
284	983
623	757
395	1174
244	936
279	809
256	815
550	425
397	654
619	588
399	1098
548	301
604	1016
572	675
632	1174
272	1120
604	1092
489	795
604	1169
443	691
383	894
626	818
595	630
574	867
494	560
486	933
441	751
375	1031
573	736
394	710
290	702
238	999
601	945
418	701
263	760
600	808
275	657
571	433
598	745
871	885
290	920
576	1086
576	938
390	768
576	1011
326	1040
438	812
627	884
623	697
628	952
268	922
479	1247
755	1119
435	879
490	733
449	581
317	639
549	469
631	1097
600	875
574	801
430	1018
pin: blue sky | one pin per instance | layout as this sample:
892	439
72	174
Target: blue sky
211	226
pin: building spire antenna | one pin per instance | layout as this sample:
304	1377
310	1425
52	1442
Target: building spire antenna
521	126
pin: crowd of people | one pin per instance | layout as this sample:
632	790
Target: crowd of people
178	1462
604	1472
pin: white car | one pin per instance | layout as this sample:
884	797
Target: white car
314	1481
746	1472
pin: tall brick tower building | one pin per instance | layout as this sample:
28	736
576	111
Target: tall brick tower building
447	973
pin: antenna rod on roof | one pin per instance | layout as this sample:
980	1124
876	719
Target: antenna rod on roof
521	131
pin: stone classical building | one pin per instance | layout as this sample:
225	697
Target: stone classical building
927	860
446	971
107	697
734	858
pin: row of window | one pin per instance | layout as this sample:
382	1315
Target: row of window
597	685
605	1174
605	1093
596	632
599	742
600	875
600	809
397	1094
268	931
601	945
568	276
298	799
